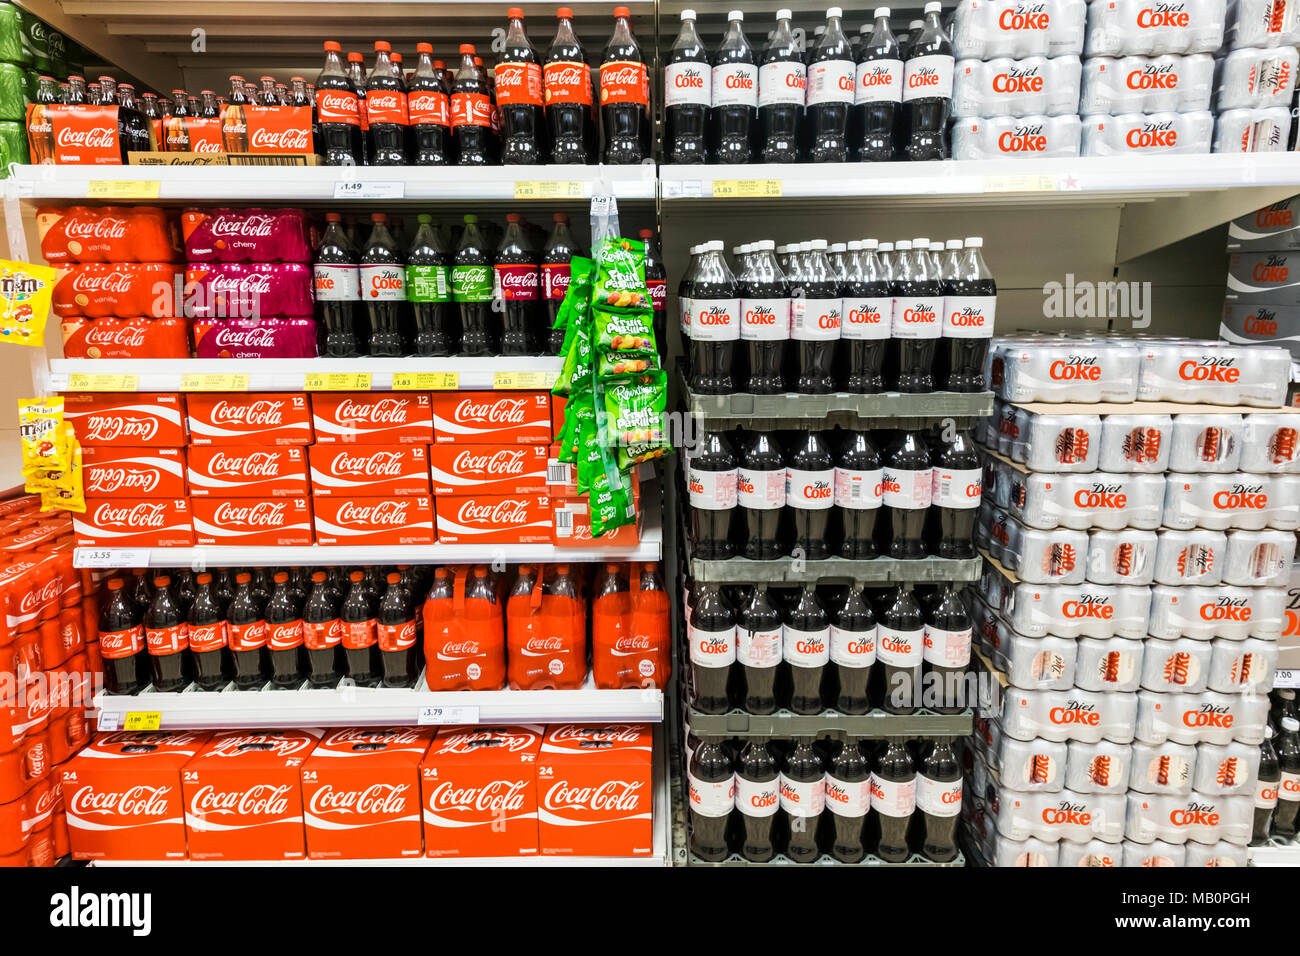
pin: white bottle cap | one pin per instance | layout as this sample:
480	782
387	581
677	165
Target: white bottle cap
695	250
952	244
737	250
783	14
903	245
838	247
714	245
783	249
933	6
855	245
688	14
817	244
1290	724
882	246
974	242
872	244
834	12
805	246
736	15
880	12
915	25
765	245
746	248
920	243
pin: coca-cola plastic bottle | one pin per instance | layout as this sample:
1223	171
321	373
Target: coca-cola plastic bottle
893	797
831	77
711	476
712	798
517	282
803	798
359	632
782	79
955	495
518	85
208	635
167	637
807	651
246	634
868	315
356	73
947	649
566	79
337	281
878	93
735	94
395	627
428	289
383	288
559	252
471	112
121	640
284	634
859	489
938	797
1266	789
624	95
900	646
848	797
322	632
816	316
916	324
765	319
1288	787
760	639
688	94
711	628
760	495
656	283
908	487
428	109
141	590
853	652
810	494
970	304
757	798
715	323
471	288
927	90
386	110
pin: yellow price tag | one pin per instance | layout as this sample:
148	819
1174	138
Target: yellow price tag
743	188
425	381
1020	184
123	189
102	382
337	382
548	189
142	720
529	380
214	382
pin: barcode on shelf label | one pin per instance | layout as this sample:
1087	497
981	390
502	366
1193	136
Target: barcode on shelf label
459	714
558	472
1286	677
109	720
564	522
137	720
359	189
110	557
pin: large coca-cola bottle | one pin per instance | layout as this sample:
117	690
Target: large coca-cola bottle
624	95
712	786
908	486
566	80
848	797
711	476
868	316
688	85
284	634
322	632
765	319
760	639
471	289
859	491
969	311
757	799
803	798
893	798
938	797
947	648
428	289
337	281
734	116
954	496
810	494
519	95
1266	787
167	637
359	632
386	110
517	281
395	625
714	323
121	640
383	288
471	112
208	635
878	93
927	90
246	634
831	76
428	108
807	651
560	249
900	646
760	495
853	652
356	72
711	630
782	82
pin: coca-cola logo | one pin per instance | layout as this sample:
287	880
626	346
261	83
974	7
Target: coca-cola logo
496	797
246	225
261	413
100	227
282	745
613	733
254	464
97	137
372	465
292	140
569	74
336	101
518	280
142	514
114	281
121	336
111	427
472	741
256	338
625	75
245	284
262	799
383	411
378	799
137	801
502	411
505	461
607	796
108	479
261	514
389	513
496	515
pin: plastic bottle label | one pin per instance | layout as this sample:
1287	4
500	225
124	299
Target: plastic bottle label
518	84
800	799
760	490
759	648
336	283
115	645
832	81
848	798
917	318
782	84
396	637
518	283
899	648
807	648
928	77
969	316
909	490
879	81
471	283
859	490
428	108
555	279
338	106
385	283
284	636
810	490
947	648
893	798
867	318
247	637
757	798
713	648
711	490
471	109
815	320
1288	787
956	487
204	638
938	798
322	635
1265	790
358	635
764	320
658	289
167	640
427	284
714	320
735	84
712	798
688	84
853	648
386	106
624	81
686	306
567	82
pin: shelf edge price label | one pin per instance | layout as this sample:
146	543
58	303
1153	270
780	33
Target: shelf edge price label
1286	677
123	189
524	380
1020	184
102	382
746	188
142	720
109	720
337	381
548	189
426	381
110	557
459	714
214	382
362	189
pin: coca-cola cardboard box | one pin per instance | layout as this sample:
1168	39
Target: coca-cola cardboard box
252	522
347	519
488	469
74	135
243	795
99	289
369	470
152	419
138	337
363	418
478	788
247	471
572	528
267	129
361	793
593	790
494	519
113	472
123	795
492	417
135	523
255	418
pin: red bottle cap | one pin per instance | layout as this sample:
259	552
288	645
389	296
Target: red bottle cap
394	578
330	46
564	13
318	576
115	584
281	577
162	581
621	12
467	48
514	13
424	48
355	576
381	46
378	217
203	578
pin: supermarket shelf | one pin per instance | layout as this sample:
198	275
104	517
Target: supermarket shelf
842	570
1275	853
916	859
876	724
379	184
885	409
271	374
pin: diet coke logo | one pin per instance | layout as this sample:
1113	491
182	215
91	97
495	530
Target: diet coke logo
378	799
263	413
261	514
501	514
503	411
249	226
261	799
384	411
255	464
502	462
98	137
138	801
144	514
293	140
496	797
611	795
387	513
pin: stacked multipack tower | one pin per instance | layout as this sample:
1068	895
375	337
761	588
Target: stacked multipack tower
1262	301
1137	554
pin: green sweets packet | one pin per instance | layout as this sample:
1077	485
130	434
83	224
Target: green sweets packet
620	275
635	413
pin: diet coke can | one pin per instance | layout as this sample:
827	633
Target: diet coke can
1226	770
1045	557
1097	768
1146	84
1016	137
1190	557
1121	557
1123	27
1155	853
1108	664
1242	667
1135	443
1032	765
1222	853
1068	715
1004	86
1255	78
1094	853
1177	666
1270	443
1261	23
1084	610
1166	767
1192	371
1206	443
1139	134
1065	370
1225	611
1258	558
1200	817
1060	443
985	29
1034	663
1101	499
1069	816
1217	502
1259	129
1003	851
